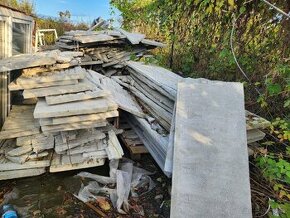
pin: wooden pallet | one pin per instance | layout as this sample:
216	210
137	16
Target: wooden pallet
132	141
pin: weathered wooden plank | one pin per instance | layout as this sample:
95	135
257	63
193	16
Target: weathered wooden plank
208	154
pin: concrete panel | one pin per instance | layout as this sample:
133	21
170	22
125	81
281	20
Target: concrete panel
210	166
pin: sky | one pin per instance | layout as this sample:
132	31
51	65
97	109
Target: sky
81	10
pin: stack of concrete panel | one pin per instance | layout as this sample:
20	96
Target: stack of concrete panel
70	106
84	148
156	89
82	106
26	152
107	49
68	97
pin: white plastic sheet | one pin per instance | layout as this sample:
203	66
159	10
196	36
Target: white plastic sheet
127	179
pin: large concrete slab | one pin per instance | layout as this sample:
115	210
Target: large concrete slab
13	86
27	60
125	101
210	166
60	99
81	118
56	90
91	106
62	163
14	174
161	79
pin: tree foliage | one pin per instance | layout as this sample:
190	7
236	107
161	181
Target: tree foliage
25	6
198	35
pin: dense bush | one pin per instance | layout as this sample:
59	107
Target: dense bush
198	35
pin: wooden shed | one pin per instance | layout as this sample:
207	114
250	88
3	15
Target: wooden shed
16	30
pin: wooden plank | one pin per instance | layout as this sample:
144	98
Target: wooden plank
97	93
208	154
134	148
92	106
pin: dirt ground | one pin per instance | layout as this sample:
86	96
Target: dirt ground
51	195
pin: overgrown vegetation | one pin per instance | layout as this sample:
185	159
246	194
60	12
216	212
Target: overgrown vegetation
198	35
